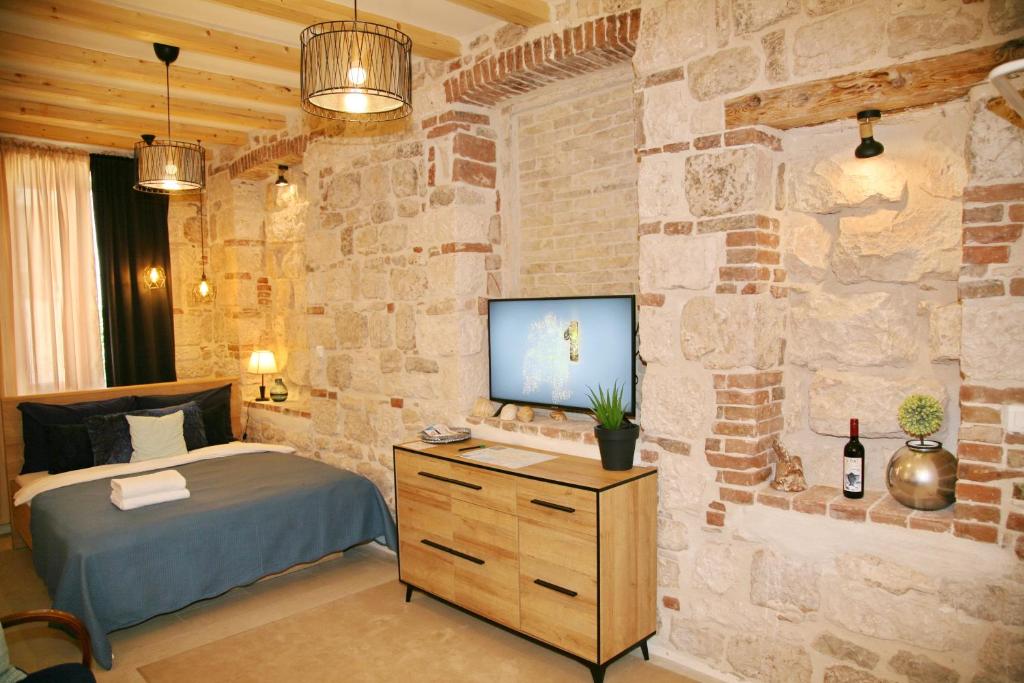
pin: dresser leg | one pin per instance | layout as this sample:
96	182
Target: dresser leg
597	671
645	651
408	594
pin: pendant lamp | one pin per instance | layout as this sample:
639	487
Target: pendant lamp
356	70
168	166
203	291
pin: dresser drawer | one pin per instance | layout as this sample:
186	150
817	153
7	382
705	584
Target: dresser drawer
562	507
488	583
471	484
558	587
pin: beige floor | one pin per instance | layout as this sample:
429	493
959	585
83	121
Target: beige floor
342	619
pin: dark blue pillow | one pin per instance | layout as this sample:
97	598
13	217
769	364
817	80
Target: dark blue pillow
216	406
111	437
70	448
38	418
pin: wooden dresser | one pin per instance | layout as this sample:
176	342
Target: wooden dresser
562	551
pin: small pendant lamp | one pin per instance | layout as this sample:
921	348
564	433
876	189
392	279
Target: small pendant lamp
203	291
168	166
356	70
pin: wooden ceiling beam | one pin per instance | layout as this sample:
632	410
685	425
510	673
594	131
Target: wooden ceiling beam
894	88
48	132
123	124
32	52
522	12
151	28
41	88
425	43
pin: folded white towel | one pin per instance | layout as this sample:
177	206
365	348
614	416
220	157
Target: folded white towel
166	480
148	499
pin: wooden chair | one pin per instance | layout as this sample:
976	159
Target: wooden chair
63	672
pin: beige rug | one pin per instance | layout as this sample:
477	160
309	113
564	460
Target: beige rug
375	636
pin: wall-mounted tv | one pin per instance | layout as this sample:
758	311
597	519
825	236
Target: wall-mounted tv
547	352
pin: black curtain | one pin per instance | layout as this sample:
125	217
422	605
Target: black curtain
131	235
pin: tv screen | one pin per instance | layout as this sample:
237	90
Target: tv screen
548	352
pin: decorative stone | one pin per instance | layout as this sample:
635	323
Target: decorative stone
986	353
715	567
900	246
699	639
754	15
989	155
919	669
918	32
836	182
789	471
658	194
1002	655
840	40
723	72
847	674
482	408
836	647
668	570
817	8
659	333
508	412
672	534
680	262
729	181
835	397
525	414
869	329
664	120
944	332
558	416
1005	15
671	32
768	660
774	46
676	405
508	36
352	330
808	248
782	583
717	331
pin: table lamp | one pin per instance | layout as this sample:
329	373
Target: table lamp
261	363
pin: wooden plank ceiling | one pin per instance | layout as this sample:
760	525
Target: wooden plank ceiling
57	85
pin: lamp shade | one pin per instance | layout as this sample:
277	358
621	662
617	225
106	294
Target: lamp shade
356	71
169	166
262	363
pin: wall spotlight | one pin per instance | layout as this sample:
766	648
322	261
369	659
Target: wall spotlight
868	147
281	180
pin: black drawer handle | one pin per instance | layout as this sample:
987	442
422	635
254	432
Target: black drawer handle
428	475
553	506
557	589
451	551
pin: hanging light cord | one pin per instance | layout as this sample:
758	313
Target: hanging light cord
202	231
167	71
355	10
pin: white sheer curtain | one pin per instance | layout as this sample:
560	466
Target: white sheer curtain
49	308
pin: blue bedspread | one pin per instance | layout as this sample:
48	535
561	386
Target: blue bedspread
249	516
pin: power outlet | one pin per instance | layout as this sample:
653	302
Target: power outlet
1015	419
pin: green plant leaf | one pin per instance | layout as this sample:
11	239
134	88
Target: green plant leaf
607	405
920	415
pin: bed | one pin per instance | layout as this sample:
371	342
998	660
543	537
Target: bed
254	510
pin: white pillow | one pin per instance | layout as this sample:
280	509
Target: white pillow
157	437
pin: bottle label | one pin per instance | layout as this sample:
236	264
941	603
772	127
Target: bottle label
853	474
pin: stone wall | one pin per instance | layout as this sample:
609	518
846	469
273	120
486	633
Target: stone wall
784	287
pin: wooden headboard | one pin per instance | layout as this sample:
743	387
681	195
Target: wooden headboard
13	447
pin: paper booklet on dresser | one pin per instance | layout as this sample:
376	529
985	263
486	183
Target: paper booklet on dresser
503	456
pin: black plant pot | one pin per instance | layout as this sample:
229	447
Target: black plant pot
617	446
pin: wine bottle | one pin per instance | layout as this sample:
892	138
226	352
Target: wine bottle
853	463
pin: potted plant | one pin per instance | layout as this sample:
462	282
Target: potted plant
922	474
616	436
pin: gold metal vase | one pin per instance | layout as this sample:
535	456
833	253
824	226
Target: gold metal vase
922	475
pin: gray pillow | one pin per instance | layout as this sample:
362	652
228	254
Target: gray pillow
111	437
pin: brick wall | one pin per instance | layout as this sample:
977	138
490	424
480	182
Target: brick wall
577	193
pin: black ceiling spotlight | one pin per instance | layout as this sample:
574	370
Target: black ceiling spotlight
869	146
281	180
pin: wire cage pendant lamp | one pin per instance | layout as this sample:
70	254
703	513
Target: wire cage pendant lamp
356	70
168	166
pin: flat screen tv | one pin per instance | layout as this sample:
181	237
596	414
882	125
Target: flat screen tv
548	352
